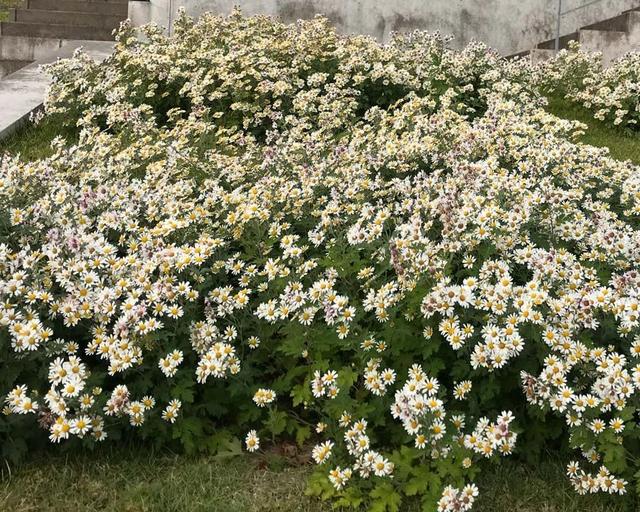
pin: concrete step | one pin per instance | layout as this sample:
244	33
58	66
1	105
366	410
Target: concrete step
112	7
524	53
27	48
612	37
10	66
535	55
616	24
602	36
564	42
540	55
611	44
23	92
634	21
9	28
69	18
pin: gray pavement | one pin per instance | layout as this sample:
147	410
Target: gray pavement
22	92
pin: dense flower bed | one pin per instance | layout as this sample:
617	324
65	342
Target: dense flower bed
612	93
269	231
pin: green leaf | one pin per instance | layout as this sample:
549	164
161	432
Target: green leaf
277	421
423	480
318	485
615	459
385	498
302	434
301	393
351	498
224	445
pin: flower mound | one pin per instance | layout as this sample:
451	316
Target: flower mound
612	93
267	230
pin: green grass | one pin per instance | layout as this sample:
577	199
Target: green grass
622	145
31	142
141	481
515	487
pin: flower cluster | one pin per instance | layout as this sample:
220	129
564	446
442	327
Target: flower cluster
169	364
170	412
264	397
19	403
378	381
457	500
322	452
611	93
603	481
367	461
416	405
489	437
325	385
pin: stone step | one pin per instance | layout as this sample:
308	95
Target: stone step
535	55
540	55
616	24
524	53
612	37
69	18
10	66
600	35
15	28
564	42
23	92
113	8
27	48
634	21
611	44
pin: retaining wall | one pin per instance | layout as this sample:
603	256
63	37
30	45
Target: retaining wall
507	25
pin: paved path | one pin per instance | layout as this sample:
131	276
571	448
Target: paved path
22	92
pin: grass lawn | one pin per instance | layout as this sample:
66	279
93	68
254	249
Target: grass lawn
139	480
31	142
622	145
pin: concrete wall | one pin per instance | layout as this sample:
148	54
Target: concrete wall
507	25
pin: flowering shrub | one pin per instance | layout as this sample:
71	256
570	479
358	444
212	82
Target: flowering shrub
271	231
256	75
613	93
